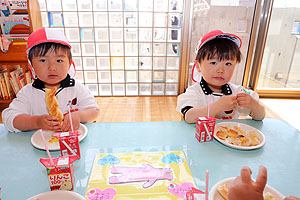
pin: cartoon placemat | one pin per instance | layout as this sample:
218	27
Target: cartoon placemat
139	175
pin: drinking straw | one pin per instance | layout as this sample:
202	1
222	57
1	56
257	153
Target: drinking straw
46	147
206	129
208	102
68	147
246	91
206	185
71	120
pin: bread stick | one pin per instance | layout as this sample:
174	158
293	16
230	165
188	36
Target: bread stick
52	104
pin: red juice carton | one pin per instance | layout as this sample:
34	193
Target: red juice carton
195	194
60	175
69	143
205	128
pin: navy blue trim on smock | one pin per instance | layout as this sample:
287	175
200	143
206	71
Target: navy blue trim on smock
67	82
225	90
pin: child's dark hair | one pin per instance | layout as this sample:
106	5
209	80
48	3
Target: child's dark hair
43	48
225	49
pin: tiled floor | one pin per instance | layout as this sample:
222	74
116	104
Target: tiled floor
134	109
137	109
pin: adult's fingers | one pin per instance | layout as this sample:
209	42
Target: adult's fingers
261	179
237	181
291	198
246	174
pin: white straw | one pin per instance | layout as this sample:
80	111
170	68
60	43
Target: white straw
71	120
206	129
68	147
208	102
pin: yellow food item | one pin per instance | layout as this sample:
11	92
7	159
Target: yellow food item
239	130
222	135
269	196
254	138
223	191
232	133
245	142
53	139
238	137
52	104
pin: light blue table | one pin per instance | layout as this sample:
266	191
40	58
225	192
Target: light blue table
22	175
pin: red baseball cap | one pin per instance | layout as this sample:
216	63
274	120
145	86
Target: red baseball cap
44	35
210	36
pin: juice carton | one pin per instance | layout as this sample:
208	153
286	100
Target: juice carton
195	194
205	128
60	175
69	143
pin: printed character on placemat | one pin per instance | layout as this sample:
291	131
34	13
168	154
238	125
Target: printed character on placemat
140	175
145	173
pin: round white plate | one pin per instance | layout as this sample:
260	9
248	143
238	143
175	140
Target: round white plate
244	127
58	195
214	194
36	139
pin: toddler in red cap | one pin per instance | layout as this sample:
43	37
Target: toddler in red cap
218	53
50	59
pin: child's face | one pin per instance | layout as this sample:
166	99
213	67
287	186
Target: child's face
51	68
217	73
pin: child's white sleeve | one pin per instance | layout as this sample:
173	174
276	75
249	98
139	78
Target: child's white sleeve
253	94
19	105
85	98
191	97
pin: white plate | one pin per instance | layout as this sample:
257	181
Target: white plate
214	194
58	195
36	139
244	127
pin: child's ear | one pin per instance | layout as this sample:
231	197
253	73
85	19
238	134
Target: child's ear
71	63
30	67
198	66
72	69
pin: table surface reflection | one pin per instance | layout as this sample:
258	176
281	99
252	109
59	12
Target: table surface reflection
23	176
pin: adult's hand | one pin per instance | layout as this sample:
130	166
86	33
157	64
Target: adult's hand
244	188
291	198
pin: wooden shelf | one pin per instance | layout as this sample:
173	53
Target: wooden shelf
16	51
5	100
16	54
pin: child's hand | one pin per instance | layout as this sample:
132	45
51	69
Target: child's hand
48	122
75	121
245	100
227	103
244	186
291	198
